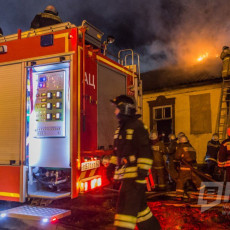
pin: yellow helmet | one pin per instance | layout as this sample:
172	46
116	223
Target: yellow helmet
153	135
52	9
215	137
183	139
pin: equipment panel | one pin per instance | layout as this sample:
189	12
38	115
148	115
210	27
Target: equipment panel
49	105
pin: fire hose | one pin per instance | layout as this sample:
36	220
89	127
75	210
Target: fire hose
197	172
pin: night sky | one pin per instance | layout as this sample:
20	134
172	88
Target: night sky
163	32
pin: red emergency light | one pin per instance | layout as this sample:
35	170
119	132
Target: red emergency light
54	219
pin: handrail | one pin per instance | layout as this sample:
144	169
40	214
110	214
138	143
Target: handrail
119	55
138	62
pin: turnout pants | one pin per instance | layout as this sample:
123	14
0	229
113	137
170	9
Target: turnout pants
211	167
159	176
172	169
184	175
132	208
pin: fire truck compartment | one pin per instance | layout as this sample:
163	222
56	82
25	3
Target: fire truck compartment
48	130
110	84
48	116
37	213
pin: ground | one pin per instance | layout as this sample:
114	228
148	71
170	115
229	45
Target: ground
95	211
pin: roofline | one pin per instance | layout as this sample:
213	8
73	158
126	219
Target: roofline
182	86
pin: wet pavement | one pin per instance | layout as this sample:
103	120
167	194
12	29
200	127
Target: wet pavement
95	211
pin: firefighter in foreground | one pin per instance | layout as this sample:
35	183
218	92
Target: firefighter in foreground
224	156
213	147
132	159
187	156
159	150
47	18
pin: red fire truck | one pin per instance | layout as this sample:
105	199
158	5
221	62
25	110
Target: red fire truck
56	120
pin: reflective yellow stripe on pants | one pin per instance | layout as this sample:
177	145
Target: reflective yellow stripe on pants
144	215
125	221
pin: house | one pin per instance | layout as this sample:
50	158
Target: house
184	100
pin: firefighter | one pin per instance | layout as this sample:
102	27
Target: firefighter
47	18
187	155
225	57
213	147
224	156
172	163
177	162
1	33
179	135
132	158
225	52
159	150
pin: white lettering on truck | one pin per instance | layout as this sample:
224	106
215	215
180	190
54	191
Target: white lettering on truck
89	79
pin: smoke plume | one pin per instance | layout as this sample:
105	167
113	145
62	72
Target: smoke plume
163	32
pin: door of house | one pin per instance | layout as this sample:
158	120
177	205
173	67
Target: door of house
163	118
164	127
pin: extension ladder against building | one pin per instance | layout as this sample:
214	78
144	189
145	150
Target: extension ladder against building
223	118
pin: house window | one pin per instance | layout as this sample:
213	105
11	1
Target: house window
162	112
162	115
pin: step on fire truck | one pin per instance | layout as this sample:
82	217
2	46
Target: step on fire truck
56	120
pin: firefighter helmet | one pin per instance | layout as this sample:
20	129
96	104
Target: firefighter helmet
52	9
215	137
125	104
153	135
171	137
183	139
225	47
180	134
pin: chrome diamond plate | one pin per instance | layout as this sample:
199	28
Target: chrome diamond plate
36	212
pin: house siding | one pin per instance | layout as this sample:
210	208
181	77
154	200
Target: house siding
182	112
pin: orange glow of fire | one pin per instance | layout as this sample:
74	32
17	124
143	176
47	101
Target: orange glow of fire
202	57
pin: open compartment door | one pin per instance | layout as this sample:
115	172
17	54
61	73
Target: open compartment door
48	129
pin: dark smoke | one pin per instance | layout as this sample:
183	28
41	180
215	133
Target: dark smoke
163	32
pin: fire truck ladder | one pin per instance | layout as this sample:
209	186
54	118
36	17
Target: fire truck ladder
135	68
223	118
